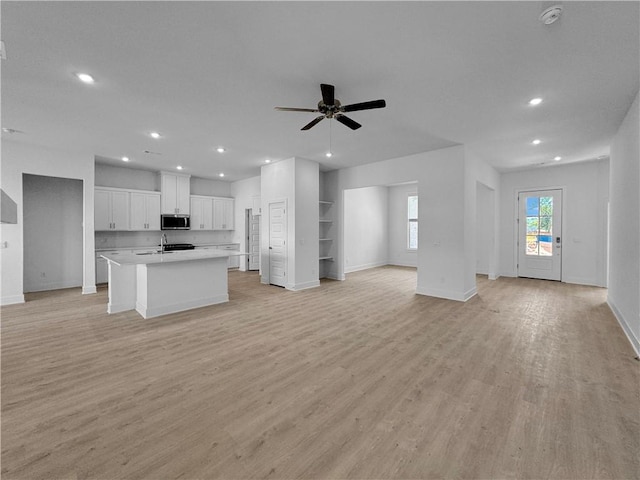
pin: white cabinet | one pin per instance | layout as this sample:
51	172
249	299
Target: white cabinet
102	268
201	213
145	211
234	261
175	193
111	209
223	213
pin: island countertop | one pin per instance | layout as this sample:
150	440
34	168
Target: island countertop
121	259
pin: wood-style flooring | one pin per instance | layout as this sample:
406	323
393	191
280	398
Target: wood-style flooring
360	379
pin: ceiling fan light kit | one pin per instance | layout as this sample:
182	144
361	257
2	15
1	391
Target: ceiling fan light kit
330	107
550	14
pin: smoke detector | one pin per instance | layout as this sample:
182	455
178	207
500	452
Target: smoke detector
551	14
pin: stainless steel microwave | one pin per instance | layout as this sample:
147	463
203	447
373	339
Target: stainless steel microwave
175	222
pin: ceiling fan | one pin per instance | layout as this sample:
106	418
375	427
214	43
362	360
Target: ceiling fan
330	107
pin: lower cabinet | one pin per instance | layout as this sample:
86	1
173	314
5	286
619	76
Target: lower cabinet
234	261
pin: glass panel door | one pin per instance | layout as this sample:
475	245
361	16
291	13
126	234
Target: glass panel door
539	236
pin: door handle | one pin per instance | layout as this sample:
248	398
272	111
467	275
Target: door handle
270	248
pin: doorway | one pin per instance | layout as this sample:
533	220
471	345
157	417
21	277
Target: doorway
277	244
252	228
53	233
540	234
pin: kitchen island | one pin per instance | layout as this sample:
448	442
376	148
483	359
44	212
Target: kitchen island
158	283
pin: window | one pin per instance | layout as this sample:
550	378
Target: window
412	222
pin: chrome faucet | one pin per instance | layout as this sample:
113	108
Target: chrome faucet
163	241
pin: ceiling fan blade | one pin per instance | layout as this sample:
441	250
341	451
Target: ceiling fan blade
363	106
312	122
290	109
328	92
353	125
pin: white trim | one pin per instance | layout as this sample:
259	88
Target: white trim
447	294
365	266
581	281
180	307
89	290
635	342
12	300
304	286
45	287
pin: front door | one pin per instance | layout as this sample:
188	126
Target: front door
254	241
277	244
540	234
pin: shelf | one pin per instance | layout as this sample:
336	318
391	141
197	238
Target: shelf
326	221
324	202
326	239
326	258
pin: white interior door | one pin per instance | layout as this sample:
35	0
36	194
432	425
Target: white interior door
277	244
254	241
540	234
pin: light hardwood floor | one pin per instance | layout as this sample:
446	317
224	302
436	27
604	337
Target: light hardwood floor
356	379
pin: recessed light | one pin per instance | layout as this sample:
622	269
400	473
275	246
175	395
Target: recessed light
535	101
557	159
267	161
125	159
221	174
85	78
179	167
536	141
328	154
155	135
220	150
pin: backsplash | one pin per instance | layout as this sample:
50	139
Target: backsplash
152	239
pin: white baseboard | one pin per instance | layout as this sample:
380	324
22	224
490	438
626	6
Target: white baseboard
635	342
12	300
119	307
304	286
493	276
179	307
45	287
89	289
581	281
365	266
447	294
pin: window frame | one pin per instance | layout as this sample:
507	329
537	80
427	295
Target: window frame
410	221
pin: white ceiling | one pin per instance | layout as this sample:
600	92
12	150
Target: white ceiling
209	73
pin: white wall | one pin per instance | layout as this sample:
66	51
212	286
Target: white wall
366	228
584	224
52	214
307	216
16	160
243	191
122	177
441	188
624	250
479	174
296	182
398	252
485	228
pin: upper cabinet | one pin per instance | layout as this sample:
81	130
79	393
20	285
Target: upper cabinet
201	213
223	213
145	211
111	209
175	190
